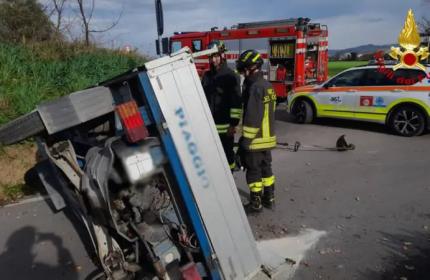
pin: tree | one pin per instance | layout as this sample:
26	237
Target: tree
87	14
424	25
58	9
24	20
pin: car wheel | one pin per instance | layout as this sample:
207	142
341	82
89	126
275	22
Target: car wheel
407	121
302	111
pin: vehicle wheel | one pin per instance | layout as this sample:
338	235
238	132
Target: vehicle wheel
407	121
302	111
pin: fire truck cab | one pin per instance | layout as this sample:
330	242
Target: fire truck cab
294	50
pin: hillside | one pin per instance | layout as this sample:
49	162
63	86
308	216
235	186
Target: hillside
33	73
364	49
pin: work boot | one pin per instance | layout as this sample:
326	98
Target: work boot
254	205
269	197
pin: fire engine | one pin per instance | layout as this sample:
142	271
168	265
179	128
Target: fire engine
295	51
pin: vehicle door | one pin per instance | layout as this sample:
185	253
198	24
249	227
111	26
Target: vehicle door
381	87
337	97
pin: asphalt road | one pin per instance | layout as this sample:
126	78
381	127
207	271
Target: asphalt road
372	203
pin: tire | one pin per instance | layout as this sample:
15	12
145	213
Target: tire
302	111
407	121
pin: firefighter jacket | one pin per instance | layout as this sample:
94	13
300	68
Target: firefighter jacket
222	89
259	103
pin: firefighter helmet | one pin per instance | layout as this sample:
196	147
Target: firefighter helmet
219	44
249	59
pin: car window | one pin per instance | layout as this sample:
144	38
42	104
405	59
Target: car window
349	78
197	45
176	46
408	76
376	77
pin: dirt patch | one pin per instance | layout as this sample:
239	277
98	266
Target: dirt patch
15	161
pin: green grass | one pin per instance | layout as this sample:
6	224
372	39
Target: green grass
335	67
15	192
30	74
33	73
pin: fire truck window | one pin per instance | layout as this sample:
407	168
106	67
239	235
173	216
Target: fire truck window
259	44
197	45
350	78
176	46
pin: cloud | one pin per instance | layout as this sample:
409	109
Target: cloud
354	30
350	23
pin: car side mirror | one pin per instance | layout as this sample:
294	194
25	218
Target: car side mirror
326	85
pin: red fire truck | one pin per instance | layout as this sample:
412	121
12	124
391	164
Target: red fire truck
294	50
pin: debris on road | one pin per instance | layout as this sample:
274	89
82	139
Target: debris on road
328	251
290	261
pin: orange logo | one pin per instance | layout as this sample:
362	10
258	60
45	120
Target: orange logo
409	53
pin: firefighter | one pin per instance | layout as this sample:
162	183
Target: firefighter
258	139
222	89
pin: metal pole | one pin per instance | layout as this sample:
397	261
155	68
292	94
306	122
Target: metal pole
160	23
159	45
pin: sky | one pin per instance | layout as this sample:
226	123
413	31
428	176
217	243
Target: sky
350	23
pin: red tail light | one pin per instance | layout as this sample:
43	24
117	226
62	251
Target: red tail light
132	121
190	272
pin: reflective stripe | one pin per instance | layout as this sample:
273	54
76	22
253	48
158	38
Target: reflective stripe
263	143
246	57
222	128
256	187
265	124
262	146
250	132
249	135
256	57
251	129
232	165
235	113
267	182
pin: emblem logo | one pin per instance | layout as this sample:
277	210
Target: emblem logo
409	53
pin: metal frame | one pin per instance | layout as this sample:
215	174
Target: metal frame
179	172
188	132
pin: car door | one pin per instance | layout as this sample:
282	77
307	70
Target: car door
338	96
373	96
381	88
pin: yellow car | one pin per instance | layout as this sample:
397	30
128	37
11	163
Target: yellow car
399	99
